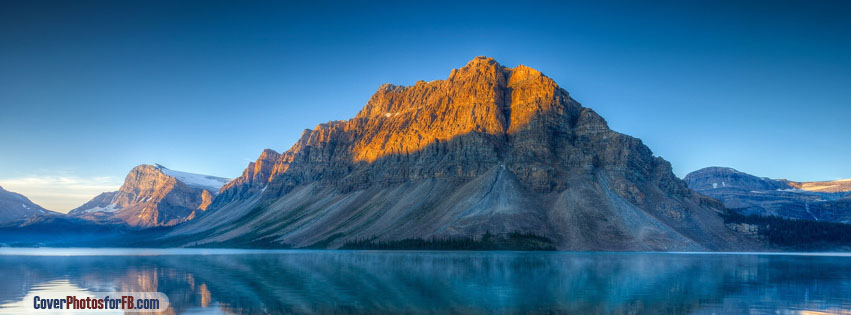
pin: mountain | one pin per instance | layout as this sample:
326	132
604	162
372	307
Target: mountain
153	195
15	207
748	194
490	153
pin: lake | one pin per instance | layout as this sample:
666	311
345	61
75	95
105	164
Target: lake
212	281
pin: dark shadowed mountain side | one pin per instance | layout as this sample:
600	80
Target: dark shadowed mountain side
781	233
153	195
15	207
60	230
751	195
490	150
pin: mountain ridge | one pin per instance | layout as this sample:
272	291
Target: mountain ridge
829	186
15	207
752	195
489	149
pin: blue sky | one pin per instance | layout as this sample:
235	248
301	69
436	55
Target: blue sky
90	89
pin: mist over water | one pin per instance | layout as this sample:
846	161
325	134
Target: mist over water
250	281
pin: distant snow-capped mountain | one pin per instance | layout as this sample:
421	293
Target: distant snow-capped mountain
153	195
749	194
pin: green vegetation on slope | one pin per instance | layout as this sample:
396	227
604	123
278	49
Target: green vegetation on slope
488	241
796	234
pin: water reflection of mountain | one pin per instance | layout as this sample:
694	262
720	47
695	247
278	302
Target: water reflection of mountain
461	282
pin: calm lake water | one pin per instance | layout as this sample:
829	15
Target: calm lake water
202	281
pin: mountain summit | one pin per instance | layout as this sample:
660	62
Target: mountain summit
153	195
490	150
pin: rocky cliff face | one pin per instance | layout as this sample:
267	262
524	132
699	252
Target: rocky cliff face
748	194
489	149
15	207
725	177
152	196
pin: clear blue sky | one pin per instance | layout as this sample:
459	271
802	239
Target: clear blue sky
90	89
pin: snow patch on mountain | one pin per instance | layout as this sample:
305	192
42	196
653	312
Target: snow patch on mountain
109	208
210	183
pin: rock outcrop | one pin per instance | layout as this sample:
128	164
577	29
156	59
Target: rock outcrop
832	186
490	149
15	207
752	195
153	195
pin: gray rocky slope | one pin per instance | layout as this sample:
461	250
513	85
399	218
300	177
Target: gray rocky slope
489	149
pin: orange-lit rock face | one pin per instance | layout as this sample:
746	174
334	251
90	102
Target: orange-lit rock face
482	97
401	120
481	116
206	199
144	183
256	175
148	197
490	149
151	198
470	116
